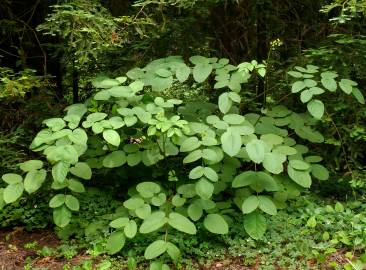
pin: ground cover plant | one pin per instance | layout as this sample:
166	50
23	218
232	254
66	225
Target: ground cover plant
226	160
292	241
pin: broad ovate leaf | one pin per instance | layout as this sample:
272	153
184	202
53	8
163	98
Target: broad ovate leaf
181	223
115	242
112	137
250	204
201	72
82	170
255	225
256	150
215	223
61	216
316	108
13	192
31	165
153	222
225	103
155	249
34	180
231	142
300	177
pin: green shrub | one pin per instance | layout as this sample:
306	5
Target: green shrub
207	162
17	84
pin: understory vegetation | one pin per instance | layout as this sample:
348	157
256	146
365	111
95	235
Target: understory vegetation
181	134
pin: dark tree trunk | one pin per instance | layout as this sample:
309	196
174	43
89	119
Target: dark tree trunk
75	84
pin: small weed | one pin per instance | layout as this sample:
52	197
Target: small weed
31	245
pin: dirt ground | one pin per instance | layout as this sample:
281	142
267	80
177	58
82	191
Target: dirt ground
14	255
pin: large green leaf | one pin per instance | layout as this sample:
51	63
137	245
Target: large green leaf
358	95
256	150
105	83
234	119
310	83
13	192
272	139
134	203
300	177
195	211
182	73
193	156
95	117
178	201
112	137
148	189
346	85
134	158
181	223
76	186
144	211
210	174
173	251
82	170
73	120
159	199
266	182
34	180
196	172
213	155
190	144
31	165
155	249
306	95
215	223
244	179
61	216
150	157
116	122
114	159
273	162
115	242
42	137
319	172
299	164
79	136
225	103
55	124
316	108
57	200
60	171
231	142
131	229
130	120
255	225
72	203
250	204
204	188
153	222
119	222
329	83
298	86
163	72
267	205
201	72
285	150
12	178
198	59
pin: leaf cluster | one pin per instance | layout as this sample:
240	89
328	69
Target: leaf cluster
229	160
